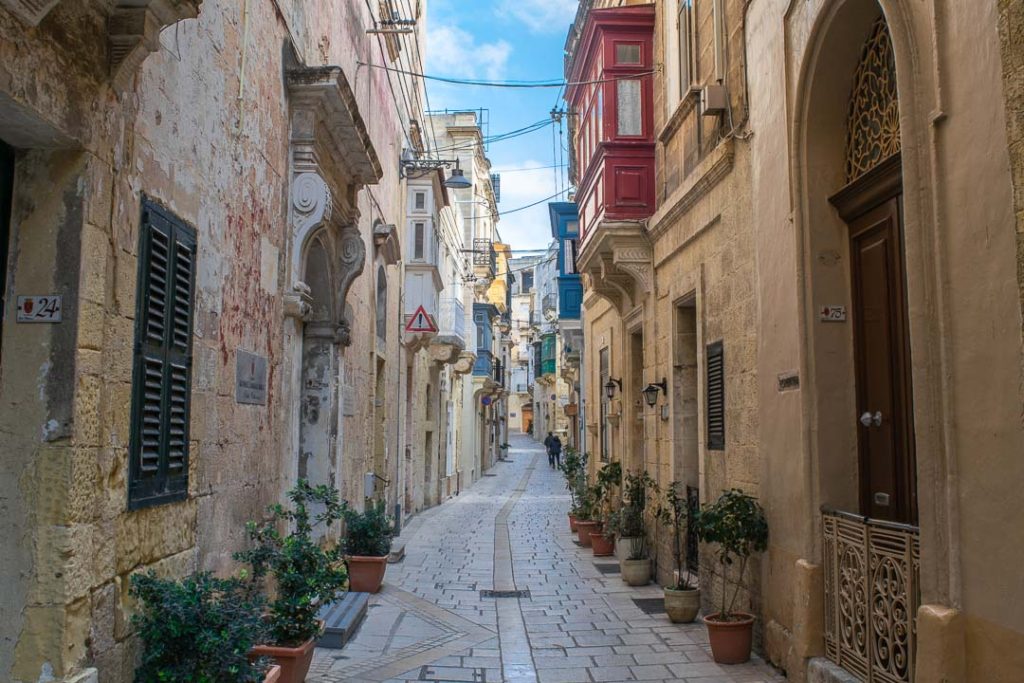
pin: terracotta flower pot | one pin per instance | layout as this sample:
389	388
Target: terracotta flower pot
366	574
273	675
572	524
682	606
636	572
583	529
730	640
293	661
601	544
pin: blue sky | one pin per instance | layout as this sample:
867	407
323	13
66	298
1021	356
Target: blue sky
505	40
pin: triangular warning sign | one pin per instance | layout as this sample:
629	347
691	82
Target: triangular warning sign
420	322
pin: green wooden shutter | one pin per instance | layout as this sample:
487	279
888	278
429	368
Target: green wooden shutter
161	387
716	397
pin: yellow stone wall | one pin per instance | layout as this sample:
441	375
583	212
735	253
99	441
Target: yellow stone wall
179	135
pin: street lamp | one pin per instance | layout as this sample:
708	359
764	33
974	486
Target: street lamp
651	392
609	387
457	181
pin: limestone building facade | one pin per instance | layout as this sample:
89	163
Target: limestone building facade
801	221
212	193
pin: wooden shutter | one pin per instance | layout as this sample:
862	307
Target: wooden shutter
161	387
716	397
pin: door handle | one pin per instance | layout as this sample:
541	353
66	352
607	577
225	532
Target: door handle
869	420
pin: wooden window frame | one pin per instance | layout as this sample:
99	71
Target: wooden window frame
162	338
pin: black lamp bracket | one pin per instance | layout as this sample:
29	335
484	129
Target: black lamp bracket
419	166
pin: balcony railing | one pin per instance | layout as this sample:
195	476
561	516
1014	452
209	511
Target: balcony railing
485	258
872	591
452	319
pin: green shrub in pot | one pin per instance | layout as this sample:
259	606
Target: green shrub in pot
368	533
197	630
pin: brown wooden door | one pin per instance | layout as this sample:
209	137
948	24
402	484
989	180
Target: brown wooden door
884	412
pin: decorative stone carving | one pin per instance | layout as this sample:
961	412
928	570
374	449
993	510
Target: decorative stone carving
465	363
352	259
385	239
311	202
133	31
299	302
616	260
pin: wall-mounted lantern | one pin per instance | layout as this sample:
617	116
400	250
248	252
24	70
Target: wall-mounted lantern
609	387
651	392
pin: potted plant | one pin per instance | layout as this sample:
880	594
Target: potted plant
608	481
367	546
199	630
737	524
572	468
585	511
305	574
682	599
634	564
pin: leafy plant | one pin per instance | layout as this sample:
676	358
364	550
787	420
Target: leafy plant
609	478
636	488
306	574
368	533
674	512
197	630
737	524
573	468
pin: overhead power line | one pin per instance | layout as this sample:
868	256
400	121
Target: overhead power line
560	83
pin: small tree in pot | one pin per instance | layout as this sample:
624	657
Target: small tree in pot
573	466
682	599
367	546
737	524
608	481
634	563
199	630
305	575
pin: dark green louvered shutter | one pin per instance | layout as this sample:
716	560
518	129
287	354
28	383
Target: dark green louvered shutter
716	397
161	387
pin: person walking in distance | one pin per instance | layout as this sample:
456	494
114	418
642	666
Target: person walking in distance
547	446
556	451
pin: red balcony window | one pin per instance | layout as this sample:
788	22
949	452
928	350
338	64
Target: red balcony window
612	103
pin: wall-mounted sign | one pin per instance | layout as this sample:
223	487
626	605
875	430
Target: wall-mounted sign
832	314
420	322
486	400
789	381
46	308
250	378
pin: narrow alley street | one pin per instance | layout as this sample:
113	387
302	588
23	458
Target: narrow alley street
576	622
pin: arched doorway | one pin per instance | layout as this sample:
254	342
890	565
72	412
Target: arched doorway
318	419
850	168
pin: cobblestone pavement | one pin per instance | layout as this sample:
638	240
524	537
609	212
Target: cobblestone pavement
578	625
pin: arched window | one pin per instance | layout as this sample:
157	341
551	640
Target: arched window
382	303
873	127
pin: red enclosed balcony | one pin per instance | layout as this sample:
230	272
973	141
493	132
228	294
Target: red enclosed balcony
611	101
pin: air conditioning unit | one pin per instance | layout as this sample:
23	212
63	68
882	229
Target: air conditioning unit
714	100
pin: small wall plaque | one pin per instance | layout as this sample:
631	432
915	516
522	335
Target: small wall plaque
832	314
40	309
789	381
250	378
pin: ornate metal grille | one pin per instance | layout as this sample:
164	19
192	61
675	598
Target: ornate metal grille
871	596
873	127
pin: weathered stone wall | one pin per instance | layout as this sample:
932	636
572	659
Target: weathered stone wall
209	141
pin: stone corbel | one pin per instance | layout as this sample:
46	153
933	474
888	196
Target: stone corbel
133	31
465	363
385	239
298	302
351	262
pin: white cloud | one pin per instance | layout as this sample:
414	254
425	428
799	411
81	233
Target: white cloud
541	16
530	228
456	53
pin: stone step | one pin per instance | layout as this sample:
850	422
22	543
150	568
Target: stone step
341	619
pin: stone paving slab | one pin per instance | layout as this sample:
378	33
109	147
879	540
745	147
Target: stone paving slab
579	625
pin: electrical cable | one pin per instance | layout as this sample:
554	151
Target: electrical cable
519	208
562	83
